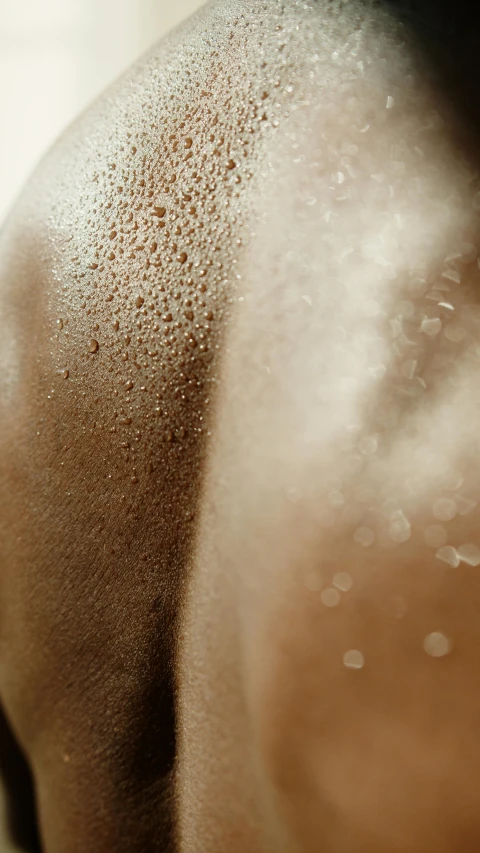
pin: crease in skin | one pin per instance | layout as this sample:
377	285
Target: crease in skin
347	425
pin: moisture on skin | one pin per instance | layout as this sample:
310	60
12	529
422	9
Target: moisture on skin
122	268
352	370
118	266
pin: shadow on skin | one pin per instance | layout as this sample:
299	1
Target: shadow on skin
16	778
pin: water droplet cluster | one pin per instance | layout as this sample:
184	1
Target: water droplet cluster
146	250
354	659
437	645
360	178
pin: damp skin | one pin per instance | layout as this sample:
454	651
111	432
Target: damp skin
119	269
123	271
347	444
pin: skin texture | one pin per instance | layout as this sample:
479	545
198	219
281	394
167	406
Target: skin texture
117	266
345	429
144	683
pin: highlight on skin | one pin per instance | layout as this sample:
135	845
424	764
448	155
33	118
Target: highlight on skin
238	453
346	444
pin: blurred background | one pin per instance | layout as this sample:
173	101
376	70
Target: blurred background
56	56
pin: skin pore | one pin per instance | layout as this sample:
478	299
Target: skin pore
226	380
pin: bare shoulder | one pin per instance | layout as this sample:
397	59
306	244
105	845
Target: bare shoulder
116	272
118	268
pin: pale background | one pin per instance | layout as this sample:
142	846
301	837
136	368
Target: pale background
56	56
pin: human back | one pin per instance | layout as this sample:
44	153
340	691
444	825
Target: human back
122	265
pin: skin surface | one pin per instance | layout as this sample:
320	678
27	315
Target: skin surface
145	646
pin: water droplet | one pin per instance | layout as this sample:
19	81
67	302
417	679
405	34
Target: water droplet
368	445
389	507
335	500
469	553
405	308
342	581
408	368
93	345
139	301
449	556
444	509
464	505
231	164
452	275
363	536
452	481
182	257
66	374
399	529
437	645
378	371
353	659
455	333
159	211
431	327
435	535
330	597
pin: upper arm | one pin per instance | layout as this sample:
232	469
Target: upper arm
116	276
107	336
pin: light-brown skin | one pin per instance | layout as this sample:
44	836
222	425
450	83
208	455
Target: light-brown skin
170	679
